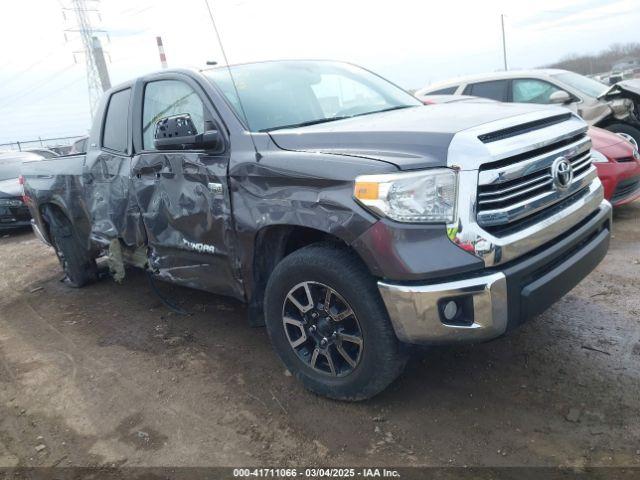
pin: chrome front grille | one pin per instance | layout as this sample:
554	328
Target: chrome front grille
507	207
513	188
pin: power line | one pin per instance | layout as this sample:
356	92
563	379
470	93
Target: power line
52	93
27	91
30	67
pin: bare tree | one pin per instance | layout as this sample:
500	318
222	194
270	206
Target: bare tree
600	62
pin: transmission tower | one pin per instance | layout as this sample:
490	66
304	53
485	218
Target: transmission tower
96	67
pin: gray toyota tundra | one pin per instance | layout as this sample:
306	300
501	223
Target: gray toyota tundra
353	220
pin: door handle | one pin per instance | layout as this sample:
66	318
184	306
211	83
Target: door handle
157	170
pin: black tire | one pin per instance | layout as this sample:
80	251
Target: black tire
626	129
380	358
77	262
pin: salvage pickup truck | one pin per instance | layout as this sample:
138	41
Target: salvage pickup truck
353	220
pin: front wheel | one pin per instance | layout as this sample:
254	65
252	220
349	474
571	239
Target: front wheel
329	326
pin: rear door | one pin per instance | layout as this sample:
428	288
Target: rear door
183	195
494	89
106	175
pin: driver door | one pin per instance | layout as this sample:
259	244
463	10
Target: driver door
183	195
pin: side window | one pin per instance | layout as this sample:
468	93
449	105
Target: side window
531	90
444	91
114	135
495	90
164	98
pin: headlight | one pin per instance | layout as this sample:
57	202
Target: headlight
426	196
597	157
621	106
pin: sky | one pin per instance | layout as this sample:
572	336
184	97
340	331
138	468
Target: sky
43	87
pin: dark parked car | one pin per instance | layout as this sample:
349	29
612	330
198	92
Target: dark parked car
352	219
13	212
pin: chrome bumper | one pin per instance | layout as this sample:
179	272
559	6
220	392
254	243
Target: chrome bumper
499	300
38	233
415	314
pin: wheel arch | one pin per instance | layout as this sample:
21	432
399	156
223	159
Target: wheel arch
272	244
48	211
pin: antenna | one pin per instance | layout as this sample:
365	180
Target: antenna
504	43
233	82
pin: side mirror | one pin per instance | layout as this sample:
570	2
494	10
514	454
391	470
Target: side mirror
560	97
178	132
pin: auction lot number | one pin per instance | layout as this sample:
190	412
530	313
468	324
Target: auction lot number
315	473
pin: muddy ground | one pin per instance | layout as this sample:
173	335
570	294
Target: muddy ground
107	375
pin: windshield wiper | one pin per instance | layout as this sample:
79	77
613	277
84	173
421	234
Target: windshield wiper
398	107
306	124
331	119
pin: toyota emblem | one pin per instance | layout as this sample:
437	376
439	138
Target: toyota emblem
562	173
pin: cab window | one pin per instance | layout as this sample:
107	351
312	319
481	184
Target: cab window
495	90
114	133
164	98
444	91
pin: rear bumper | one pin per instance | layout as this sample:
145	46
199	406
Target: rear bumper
11	225
502	298
14	217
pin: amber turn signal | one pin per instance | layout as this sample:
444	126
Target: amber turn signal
366	191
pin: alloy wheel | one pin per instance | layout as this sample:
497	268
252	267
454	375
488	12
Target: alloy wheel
322	329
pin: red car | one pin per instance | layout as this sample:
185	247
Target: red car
618	164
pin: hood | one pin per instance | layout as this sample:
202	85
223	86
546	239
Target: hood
416	137
601	138
631	86
10	188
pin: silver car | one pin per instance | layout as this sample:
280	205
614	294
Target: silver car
614	108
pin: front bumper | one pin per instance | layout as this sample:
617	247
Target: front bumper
501	298
621	181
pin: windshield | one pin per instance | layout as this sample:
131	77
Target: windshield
291	94
586	85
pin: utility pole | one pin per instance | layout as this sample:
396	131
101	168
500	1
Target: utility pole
101	65
504	43
96	68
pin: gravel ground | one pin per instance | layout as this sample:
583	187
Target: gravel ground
106	375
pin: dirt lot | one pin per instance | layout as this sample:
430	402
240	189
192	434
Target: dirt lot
108	375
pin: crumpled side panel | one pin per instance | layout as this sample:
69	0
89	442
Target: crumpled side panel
186	212
114	212
297	189
58	181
